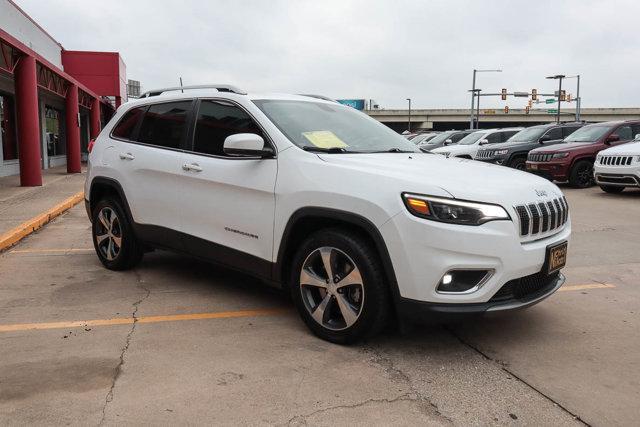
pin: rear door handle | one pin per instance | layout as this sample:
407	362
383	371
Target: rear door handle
126	156
192	167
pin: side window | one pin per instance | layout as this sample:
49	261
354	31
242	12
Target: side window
164	124
506	135
636	130
568	130
127	125
554	133
457	137
216	121
493	138
624	132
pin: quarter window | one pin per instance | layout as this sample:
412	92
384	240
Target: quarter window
216	121
164	124
125	128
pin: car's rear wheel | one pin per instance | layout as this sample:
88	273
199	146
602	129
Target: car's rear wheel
338	286
582	174
614	189
518	163
113	238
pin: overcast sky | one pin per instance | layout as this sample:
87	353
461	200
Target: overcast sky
385	50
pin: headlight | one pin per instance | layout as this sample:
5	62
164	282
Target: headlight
499	152
560	155
453	211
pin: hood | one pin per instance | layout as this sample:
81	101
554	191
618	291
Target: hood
464	179
630	149
565	146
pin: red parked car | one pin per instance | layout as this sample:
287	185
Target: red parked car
573	159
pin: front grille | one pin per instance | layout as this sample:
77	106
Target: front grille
525	287
537	157
616	160
485	154
542	217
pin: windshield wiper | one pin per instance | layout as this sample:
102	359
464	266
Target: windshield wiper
394	150
325	150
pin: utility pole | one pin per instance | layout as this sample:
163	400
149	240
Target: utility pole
579	101
473	92
558	77
478	110
409	124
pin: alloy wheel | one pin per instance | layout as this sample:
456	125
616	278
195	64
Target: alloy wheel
585	174
108	234
332	289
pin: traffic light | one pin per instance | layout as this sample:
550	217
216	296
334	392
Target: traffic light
504	94
563	95
506	109
534	94
527	108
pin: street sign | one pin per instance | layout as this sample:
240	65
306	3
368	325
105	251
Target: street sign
521	94
550	101
552	111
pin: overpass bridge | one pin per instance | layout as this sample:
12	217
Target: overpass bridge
445	119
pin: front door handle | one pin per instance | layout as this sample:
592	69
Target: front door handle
126	156
192	167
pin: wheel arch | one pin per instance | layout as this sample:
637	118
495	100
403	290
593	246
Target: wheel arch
307	220
102	187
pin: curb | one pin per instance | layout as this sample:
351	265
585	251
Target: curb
14	236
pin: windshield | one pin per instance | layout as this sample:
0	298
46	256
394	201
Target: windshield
472	138
316	126
588	134
525	135
439	138
422	138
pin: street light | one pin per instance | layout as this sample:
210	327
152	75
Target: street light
409	124
578	99
473	92
558	77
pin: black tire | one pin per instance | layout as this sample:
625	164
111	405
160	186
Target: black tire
519	163
374	306
613	189
581	175
130	251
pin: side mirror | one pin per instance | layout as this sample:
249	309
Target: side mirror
484	141
246	144
544	138
448	141
612	138
637	137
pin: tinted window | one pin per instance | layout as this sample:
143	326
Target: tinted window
568	130
164	124
128	123
458	136
508	134
493	138
635	129
216	121
624	132
555	133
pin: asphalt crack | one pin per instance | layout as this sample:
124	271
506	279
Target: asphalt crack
118	370
504	367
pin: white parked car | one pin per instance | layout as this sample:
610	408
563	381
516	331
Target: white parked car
324	201
618	167
468	146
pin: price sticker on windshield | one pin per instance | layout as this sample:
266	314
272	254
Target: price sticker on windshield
324	139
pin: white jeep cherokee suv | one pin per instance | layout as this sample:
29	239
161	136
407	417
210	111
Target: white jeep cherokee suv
353	219
467	147
618	167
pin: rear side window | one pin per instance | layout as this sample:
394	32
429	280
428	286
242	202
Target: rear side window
555	133
457	136
624	132
216	121
127	125
164	124
568	130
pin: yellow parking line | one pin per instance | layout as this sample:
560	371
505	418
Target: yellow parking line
142	319
44	251
587	286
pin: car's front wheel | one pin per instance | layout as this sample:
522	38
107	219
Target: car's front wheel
582	174
113	238
519	163
338	286
615	189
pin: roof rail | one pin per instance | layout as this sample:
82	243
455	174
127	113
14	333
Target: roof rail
219	88
324	98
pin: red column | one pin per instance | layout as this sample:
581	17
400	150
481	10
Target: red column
28	122
73	130
95	118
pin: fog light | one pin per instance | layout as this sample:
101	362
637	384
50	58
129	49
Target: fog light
463	281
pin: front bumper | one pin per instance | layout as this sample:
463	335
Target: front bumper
549	170
498	160
423	251
617	176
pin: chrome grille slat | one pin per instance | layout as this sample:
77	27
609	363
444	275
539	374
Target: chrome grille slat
542	217
616	160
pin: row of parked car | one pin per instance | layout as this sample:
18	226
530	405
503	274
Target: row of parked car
606	154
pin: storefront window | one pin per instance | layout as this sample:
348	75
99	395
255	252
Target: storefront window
53	130
8	128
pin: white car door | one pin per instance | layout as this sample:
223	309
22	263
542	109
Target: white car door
152	167
229	202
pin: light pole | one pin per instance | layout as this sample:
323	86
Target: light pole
409	124
578	99
473	92
558	77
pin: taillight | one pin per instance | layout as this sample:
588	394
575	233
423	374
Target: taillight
91	143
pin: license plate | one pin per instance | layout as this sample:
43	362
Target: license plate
556	257
533	167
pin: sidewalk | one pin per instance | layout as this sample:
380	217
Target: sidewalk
18	205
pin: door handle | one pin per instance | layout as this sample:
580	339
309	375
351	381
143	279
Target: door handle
126	156
192	167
